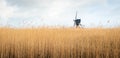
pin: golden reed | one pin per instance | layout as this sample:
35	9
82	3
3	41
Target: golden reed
60	43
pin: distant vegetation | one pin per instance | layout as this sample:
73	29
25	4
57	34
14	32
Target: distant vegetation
60	43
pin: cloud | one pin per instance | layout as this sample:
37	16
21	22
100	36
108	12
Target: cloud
29	4
5	11
58	12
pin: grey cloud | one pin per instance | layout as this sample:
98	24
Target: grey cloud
40	3
29	3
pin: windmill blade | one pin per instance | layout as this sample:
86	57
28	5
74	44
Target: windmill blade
76	15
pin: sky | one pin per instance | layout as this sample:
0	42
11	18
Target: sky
40	13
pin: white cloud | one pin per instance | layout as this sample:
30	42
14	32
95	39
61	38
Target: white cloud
5	11
57	11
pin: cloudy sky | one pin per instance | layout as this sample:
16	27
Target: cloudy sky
37	13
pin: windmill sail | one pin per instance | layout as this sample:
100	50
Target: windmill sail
76	15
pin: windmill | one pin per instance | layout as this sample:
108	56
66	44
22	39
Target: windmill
77	22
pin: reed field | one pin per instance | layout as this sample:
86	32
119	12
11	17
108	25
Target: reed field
60	43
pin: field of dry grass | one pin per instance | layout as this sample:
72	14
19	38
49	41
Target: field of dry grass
59	43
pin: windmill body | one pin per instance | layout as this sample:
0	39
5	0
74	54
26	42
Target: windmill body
77	21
